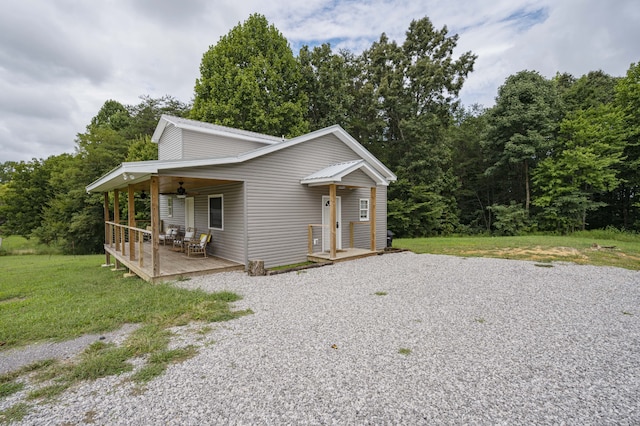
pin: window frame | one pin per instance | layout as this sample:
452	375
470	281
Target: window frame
221	197
361	210
169	206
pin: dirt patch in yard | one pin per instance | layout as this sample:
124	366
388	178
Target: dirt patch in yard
532	253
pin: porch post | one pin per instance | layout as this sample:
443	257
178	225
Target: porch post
332	219
372	218
155	225
132	222
116	219
107	233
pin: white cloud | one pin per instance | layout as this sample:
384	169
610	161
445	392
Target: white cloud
60	60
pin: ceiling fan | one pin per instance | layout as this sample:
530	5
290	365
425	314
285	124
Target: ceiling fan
180	192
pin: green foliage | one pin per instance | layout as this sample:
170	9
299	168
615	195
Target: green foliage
24	197
474	187
251	80
142	149
327	82
46	198
510	220
590	148
521	128
589	91
414	87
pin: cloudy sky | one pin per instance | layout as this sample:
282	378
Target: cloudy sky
60	60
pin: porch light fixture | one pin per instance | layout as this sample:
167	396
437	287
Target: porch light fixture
128	176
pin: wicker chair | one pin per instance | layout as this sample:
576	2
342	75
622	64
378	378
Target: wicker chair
200	247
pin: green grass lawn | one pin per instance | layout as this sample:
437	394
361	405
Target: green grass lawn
15	244
594	248
60	297
55	298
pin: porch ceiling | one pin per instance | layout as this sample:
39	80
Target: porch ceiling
169	184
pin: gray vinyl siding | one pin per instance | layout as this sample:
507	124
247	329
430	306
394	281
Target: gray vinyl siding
227	243
357	178
381	217
170	144
200	145
279	208
351	213
178	218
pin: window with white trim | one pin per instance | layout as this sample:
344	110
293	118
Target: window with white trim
216	212
169	206
364	209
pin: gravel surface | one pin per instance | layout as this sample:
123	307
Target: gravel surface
13	359
447	340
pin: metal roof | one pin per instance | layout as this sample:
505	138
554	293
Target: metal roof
209	128
140	171
335	172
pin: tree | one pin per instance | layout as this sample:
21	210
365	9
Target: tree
25	197
326	80
142	149
251	80
590	148
626	199
58	209
474	194
6	171
591	90
416	87
521	132
144	116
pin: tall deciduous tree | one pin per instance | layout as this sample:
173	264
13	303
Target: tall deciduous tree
416	86
627	98
585	162
251	80
327	82
25	197
521	131
474	192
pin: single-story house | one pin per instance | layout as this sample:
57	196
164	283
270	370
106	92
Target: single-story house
321	195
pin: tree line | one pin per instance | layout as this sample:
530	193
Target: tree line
553	155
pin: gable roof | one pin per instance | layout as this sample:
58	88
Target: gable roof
211	129
134	172
335	172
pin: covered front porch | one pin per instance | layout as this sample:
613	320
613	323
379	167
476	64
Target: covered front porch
132	245
136	256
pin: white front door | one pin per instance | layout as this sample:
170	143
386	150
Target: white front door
189	213
326	215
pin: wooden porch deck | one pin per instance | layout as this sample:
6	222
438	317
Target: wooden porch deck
173	264
341	255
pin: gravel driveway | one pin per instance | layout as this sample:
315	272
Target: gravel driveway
453	341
